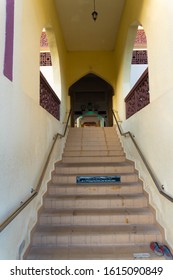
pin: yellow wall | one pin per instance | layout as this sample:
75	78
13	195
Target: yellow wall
82	63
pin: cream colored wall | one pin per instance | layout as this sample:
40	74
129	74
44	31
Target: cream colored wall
153	125
27	130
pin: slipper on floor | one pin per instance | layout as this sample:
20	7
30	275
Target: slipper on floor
166	252
155	247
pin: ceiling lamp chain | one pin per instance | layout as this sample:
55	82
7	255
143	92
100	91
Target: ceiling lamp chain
94	13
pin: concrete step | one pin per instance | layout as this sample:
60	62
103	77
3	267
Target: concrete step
95	201
92	142
93	148
57	189
93	138
91	168
92	235
93	216
92	159
82	153
82	252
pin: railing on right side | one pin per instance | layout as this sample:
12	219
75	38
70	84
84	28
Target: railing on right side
128	133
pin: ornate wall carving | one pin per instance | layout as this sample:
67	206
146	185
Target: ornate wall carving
139	96
141	40
139	57
45	59
43	40
48	99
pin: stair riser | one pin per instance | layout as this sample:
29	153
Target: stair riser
95	190
95	219
78	142
94	203
91	239
71	179
92	153
93	138
96	159
113	140
94	170
93	148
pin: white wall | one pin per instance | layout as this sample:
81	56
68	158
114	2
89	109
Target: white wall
152	133
26	129
153	125
27	133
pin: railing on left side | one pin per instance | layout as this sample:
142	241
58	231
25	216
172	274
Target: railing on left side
35	192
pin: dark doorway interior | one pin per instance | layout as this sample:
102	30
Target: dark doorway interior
91	94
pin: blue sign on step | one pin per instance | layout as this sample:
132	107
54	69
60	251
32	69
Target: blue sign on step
97	179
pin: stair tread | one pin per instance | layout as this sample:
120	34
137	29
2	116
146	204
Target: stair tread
91	151
83	185
98	229
97	174
92	252
93	156
95	196
93	164
92	211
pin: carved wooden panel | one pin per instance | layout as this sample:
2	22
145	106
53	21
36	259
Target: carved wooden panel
45	59
48	99
139	96
139	57
44	40
141	40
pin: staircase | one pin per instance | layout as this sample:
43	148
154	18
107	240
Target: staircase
96	218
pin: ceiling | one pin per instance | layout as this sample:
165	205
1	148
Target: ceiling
81	32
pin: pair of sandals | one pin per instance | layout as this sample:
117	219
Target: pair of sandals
161	250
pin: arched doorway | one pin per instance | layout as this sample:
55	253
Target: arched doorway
91	94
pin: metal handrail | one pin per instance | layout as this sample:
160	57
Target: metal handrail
128	133
36	191
65	130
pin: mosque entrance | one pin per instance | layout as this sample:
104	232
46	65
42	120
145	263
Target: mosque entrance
91	102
